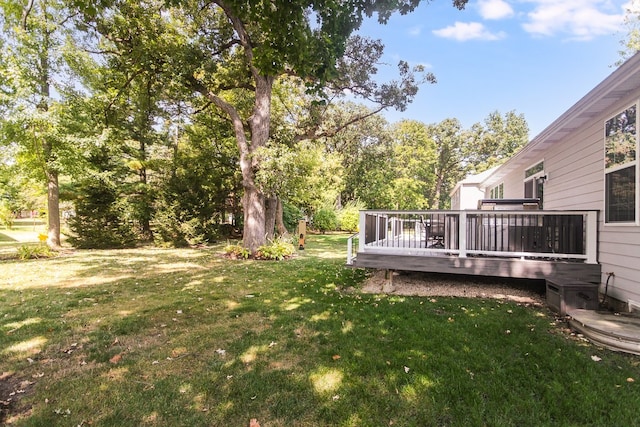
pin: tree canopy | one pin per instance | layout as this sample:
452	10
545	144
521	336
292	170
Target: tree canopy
184	118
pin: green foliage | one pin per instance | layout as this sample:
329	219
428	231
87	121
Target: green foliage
99	220
349	215
277	250
290	216
236	251
325	219
6	215
26	252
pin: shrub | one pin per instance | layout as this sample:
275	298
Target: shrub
278	249
26	252
236	251
349	216
100	220
325	219
6	216
290	216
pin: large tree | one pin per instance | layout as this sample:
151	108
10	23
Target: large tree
35	34
232	52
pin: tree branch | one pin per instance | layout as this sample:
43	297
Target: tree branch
25	13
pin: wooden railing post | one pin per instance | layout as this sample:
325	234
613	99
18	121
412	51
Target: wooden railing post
462	234
591	248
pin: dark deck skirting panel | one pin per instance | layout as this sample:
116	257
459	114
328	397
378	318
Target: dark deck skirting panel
482	266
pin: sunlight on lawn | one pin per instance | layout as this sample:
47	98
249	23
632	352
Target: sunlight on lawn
28	347
14	326
326	380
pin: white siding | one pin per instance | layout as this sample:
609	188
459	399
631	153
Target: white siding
575	167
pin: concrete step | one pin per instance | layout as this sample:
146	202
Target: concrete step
618	332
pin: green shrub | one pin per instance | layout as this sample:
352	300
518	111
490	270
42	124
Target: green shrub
26	252
290	216
236	251
278	249
6	215
325	219
100	221
349	216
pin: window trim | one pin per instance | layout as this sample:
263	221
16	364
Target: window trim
618	167
497	191
528	176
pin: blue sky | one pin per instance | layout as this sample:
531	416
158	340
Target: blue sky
536	57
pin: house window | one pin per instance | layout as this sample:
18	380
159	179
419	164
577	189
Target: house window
497	192
534	178
621	164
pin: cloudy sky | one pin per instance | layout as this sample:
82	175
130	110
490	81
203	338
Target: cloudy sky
537	57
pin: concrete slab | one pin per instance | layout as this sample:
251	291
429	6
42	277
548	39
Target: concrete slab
618	332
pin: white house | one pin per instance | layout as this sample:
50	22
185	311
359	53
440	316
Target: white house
587	159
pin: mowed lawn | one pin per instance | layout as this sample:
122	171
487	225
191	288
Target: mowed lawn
186	337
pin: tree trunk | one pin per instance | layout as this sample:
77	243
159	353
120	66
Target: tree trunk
254	234
53	209
270	209
281	230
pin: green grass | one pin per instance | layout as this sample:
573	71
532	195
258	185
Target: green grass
166	337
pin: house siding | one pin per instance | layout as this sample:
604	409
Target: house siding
575	169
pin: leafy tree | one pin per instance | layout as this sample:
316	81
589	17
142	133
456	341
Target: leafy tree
450	142
631	43
415	165
227	47
35	46
495	142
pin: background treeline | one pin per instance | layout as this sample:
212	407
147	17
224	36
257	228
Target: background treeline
124	122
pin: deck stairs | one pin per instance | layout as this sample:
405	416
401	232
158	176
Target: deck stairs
615	331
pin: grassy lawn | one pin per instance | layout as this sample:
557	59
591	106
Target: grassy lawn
165	337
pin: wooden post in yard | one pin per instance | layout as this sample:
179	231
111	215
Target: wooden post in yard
302	231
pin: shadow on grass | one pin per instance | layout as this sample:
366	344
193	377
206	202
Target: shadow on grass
186	337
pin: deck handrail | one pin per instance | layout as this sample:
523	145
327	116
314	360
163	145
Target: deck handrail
350	256
568	235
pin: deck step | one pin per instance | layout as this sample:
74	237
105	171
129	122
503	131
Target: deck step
618	332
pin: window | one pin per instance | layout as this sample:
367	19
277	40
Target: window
621	164
497	192
534	178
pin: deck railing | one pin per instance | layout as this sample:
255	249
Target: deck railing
570	235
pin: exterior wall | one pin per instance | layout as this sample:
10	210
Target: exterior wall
470	195
575	169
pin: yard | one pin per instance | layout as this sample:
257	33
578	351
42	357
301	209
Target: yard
168	337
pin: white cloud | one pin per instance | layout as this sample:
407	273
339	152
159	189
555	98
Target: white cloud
463	31
580	19
495	9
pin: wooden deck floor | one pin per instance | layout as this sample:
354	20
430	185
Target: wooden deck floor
482	266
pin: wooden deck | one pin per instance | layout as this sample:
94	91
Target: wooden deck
481	266
532	245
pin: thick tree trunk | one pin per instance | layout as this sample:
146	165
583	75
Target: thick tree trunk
255	231
281	230
271	207
53	209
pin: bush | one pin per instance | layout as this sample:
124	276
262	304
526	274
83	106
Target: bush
278	249
325	219
26	252
100	219
349	216
6	216
236	251
290	216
